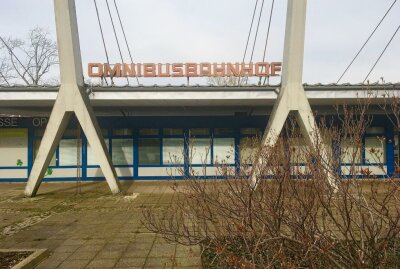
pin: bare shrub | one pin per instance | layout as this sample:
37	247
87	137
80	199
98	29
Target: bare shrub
294	218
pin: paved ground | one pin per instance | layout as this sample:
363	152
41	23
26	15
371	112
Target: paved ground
92	229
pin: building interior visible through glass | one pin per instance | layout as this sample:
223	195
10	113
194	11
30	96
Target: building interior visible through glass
148	152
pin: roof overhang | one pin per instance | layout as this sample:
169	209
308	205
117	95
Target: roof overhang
147	96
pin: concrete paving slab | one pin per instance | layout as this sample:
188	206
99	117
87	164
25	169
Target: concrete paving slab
131	262
93	229
76	264
103	263
152	262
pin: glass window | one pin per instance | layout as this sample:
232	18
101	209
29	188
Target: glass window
223	131
199	131
148	131
375	130
68	152
250	131
122	151
36	149
375	150
200	151
39	132
173	131
350	152
173	151
13	147
248	149
224	150
122	132
298	150
149	151
327	137
91	156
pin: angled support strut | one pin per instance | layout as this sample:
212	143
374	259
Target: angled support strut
292	96
71	98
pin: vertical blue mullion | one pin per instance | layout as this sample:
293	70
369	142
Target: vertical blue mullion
57	154
363	162
236	150
390	150
31	139
186	151
109	141
212	146
337	153
160	137
387	137
109	132
84	155
132	137
135	135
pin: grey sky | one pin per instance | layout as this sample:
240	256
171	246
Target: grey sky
216	31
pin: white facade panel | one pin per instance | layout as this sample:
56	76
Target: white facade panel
158	171
121	172
205	171
13	173
63	173
13	147
374	170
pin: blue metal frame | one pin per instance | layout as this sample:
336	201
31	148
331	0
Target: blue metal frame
390	161
185	123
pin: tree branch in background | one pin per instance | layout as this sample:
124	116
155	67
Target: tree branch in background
5	69
223	81
28	61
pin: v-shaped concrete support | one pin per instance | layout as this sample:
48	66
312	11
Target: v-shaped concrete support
292	96
71	98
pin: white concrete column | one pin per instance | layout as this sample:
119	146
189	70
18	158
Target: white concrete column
291	95
71	98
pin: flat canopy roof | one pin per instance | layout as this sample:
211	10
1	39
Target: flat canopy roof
147	96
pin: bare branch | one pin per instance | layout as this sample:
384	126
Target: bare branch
31	60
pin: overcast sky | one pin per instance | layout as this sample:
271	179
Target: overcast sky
168	31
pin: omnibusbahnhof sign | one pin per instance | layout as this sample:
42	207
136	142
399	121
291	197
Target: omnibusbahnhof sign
259	69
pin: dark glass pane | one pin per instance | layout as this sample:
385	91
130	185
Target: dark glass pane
149	151
148	131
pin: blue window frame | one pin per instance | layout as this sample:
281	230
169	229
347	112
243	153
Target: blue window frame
250	139
67	150
374	146
90	156
349	152
200	147
37	138
217	128
396	156
372	151
150	147
224	146
14	144
173	147
122	147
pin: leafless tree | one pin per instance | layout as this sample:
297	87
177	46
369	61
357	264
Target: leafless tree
28	60
223	81
5	69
